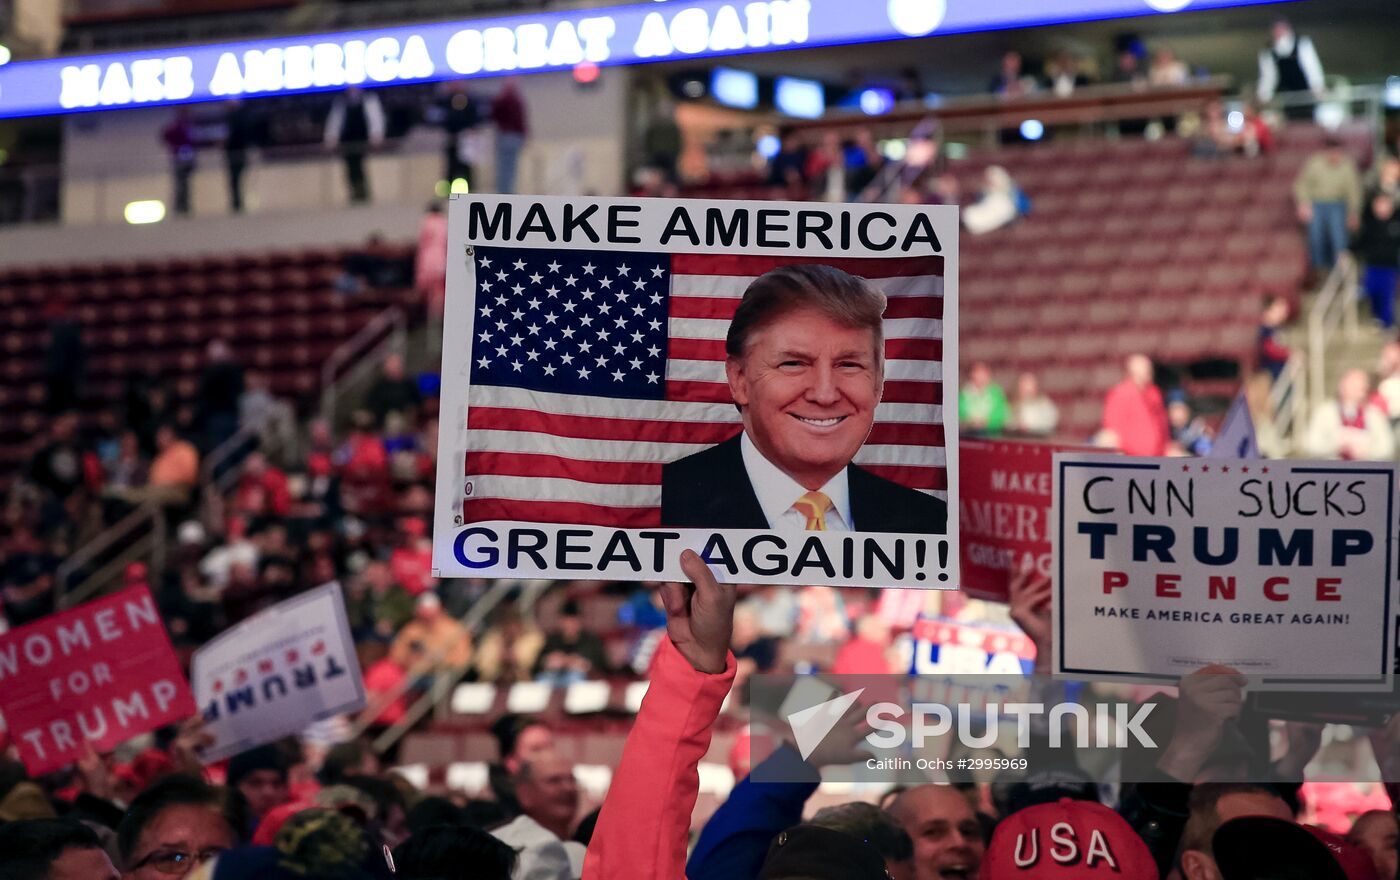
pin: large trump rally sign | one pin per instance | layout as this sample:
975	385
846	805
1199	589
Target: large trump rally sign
1283	570
762	383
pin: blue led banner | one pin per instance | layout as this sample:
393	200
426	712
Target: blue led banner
522	43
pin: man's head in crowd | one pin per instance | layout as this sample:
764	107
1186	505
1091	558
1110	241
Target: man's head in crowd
1383	205
1269	848
393	367
443	851
1276	311
166	437
1027	387
946	834
746	628
270	537
65	427
390	807
53	849
1068	838
1353	388
873	825
378	576
218	351
1178	410
570	620
806	368
1212	805
815	852
980	375
1376	833
431	811
548	793
521	738
176	824
1138	368
1335	149
260	775
428	608
354	758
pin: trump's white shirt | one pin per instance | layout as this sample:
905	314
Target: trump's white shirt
777	492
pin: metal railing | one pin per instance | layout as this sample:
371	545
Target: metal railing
219	470
359	355
41	192
895	177
1334	313
442	682
140	535
1287	400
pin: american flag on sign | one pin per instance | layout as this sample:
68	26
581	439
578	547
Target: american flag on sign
590	370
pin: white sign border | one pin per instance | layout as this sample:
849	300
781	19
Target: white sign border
1258	683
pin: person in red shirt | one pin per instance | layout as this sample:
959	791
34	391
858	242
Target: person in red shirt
1134	416
262	489
412	561
868	652
383	691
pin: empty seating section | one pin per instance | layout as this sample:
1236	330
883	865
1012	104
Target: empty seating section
1134	246
280	311
1130	246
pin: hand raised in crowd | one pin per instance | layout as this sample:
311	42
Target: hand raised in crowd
1207	699
95	774
839	747
1031	594
191	739
700	616
1385	745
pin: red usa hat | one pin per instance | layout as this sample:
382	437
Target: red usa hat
1068	840
1255	847
1356	863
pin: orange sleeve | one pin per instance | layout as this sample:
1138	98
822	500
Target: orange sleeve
644	824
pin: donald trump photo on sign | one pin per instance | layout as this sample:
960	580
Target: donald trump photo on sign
806	368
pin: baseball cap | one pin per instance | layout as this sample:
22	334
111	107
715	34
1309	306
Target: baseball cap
1067	840
1258	847
815	853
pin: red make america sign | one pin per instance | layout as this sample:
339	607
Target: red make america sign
1005	507
99	674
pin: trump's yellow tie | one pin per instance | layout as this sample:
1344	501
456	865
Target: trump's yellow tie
814	506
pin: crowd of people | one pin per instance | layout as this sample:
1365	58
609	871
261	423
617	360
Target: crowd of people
830	168
320	811
316	502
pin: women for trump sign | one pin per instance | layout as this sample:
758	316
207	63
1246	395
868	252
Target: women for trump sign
92	677
762	383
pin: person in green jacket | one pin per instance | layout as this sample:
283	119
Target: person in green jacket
982	406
